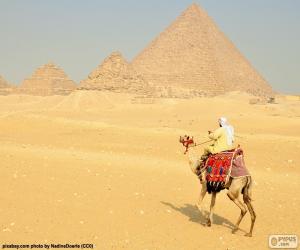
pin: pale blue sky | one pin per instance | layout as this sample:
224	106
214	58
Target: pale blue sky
78	34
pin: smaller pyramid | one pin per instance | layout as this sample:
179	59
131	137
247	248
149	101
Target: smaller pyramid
5	87
3	83
115	74
48	80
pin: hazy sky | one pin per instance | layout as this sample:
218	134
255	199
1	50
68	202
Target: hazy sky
78	34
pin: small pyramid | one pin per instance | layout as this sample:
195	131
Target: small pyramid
115	74
5	87
192	53
48	80
3	83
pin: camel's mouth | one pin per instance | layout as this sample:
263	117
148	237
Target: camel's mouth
183	139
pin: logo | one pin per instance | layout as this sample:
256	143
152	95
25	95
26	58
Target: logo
281	241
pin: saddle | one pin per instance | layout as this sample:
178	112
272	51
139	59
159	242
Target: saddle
218	168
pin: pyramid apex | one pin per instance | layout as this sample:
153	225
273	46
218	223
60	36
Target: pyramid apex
194	7
116	54
50	64
192	13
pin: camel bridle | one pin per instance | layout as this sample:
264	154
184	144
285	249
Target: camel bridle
187	143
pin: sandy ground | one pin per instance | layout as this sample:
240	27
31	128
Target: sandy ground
94	168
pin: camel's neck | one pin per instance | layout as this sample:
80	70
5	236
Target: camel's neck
194	161
191	154
194	158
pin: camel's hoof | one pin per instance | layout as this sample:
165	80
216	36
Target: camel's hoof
234	230
248	234
208	223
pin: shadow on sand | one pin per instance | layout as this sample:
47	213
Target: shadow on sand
194	215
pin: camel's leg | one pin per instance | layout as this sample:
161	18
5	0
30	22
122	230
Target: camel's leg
202	195
247	200
233	194
241	206
212	206
253	217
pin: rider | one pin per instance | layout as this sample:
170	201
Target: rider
223	138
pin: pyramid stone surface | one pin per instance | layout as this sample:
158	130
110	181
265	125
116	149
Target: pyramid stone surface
47	80
5	87
3	83
193	54
116	74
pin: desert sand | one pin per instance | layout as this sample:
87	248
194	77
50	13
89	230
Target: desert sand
98	167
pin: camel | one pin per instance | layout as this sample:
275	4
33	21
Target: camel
235	186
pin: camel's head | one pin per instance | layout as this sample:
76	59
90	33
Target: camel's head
187	141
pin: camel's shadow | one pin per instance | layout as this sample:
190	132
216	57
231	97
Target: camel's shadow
195	215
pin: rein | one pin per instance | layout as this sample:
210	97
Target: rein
196	145
190	141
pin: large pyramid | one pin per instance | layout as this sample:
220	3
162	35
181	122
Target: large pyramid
116	74
47	80
193	54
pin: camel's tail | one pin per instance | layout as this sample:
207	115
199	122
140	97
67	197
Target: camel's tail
247	190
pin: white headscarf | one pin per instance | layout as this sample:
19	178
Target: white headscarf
229	130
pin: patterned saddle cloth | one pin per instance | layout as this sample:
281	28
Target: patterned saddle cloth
219	167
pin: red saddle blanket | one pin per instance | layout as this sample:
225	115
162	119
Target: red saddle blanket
238	168
222	165
218	166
